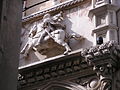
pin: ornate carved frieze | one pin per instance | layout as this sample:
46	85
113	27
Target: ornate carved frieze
51	71
109	49
104	59
54	8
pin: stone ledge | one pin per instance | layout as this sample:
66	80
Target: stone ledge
54	8
93	52
102	9
52	59
104	28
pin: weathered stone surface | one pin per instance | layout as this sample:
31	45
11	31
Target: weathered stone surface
78	68
10	25
74	26
94	68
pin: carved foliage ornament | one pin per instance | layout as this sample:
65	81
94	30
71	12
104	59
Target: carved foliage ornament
104	58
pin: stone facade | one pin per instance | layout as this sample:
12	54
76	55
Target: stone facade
71	28
93	68
91	30
44	4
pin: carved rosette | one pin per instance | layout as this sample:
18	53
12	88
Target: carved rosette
104	58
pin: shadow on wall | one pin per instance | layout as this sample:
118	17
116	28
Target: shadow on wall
75	44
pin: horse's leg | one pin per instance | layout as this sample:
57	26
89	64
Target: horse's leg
68	49
24	49
64	44
59	38
27	51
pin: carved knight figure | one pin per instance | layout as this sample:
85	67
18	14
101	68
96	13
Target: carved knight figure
47	28
52	27
30	43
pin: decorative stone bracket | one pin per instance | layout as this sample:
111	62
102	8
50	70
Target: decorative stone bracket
104	59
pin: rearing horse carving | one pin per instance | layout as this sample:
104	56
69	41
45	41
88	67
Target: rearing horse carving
52	27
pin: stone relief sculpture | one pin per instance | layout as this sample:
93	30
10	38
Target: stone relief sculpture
51	27
102	83
55	30
31	41
106	70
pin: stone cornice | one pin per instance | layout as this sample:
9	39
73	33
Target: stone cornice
108	50
102	9
54	8
52	59
58	67
99	59
104	28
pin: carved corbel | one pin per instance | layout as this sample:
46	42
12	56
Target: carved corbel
104	59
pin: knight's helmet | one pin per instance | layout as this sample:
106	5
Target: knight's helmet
46	16
47	21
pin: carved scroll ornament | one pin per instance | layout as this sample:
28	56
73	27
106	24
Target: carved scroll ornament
104	59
